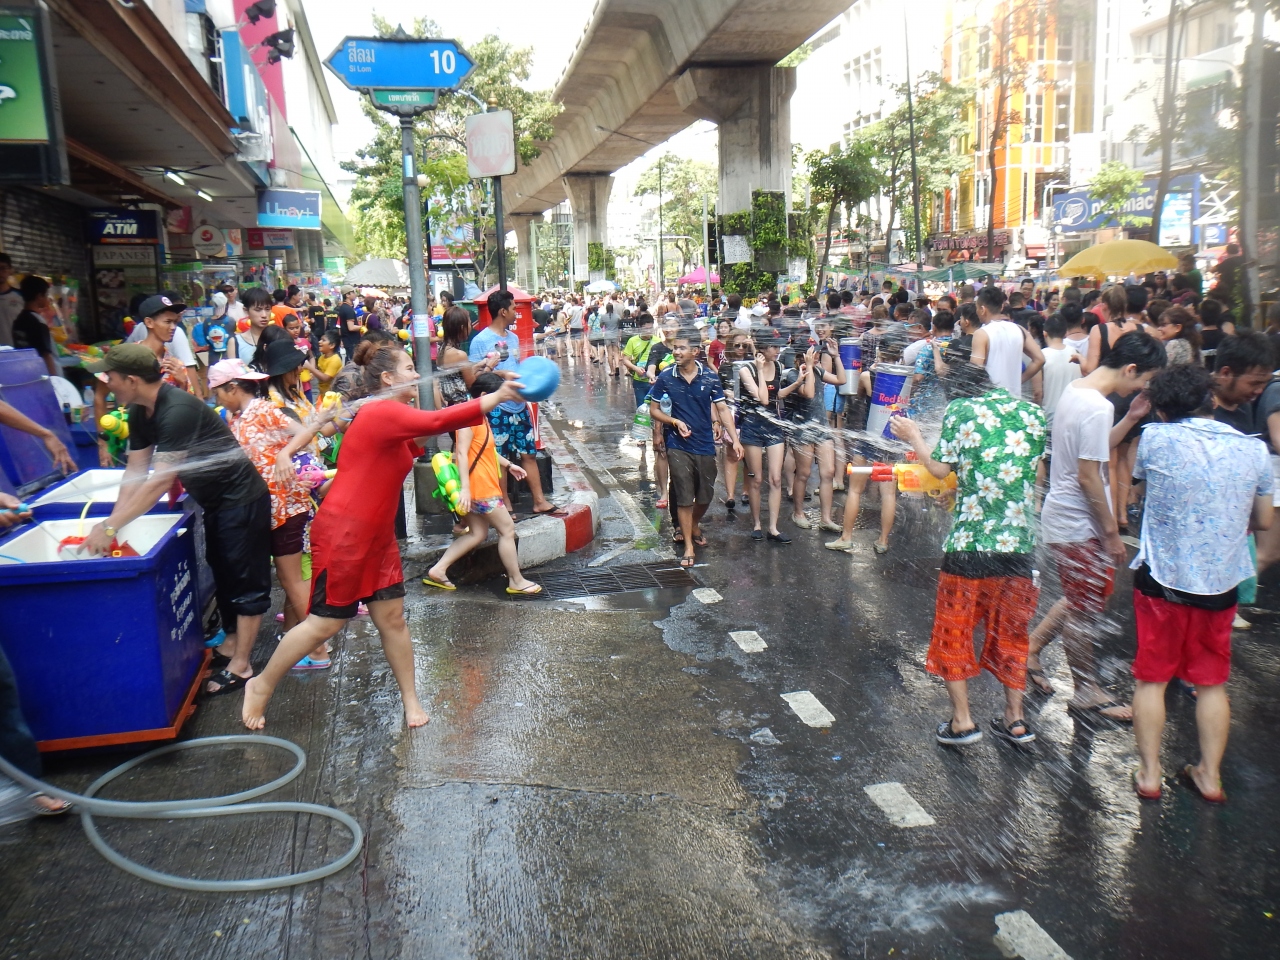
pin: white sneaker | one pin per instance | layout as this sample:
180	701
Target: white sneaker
803	522
845	545
1240	623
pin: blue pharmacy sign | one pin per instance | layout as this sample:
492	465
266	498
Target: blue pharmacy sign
386	63
1076	211
299	209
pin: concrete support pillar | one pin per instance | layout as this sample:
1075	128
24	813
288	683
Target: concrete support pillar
752	107
589	199
522	224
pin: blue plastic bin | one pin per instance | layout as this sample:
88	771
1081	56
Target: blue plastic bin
106	650
24	383
67	498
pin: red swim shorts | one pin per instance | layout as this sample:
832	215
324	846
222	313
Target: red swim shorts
1087	576
1004	606
1175	640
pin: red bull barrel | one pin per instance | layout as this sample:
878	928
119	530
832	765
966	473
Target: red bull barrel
851	360
890	391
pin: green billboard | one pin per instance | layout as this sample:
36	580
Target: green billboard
23	118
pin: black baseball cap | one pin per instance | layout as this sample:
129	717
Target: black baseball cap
160	303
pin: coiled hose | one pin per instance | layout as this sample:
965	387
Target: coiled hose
232	804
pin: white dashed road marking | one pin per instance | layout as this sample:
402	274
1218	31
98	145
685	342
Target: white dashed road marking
809	708
707	595
898	805
748	640
1020	936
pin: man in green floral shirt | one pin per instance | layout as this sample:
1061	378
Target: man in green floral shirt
994	441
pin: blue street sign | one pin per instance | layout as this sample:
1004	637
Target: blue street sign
384	63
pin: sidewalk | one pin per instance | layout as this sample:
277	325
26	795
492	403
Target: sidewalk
539	539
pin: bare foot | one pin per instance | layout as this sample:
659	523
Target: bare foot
415	716
253	712
50	805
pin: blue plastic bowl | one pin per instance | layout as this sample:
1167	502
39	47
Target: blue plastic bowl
540	377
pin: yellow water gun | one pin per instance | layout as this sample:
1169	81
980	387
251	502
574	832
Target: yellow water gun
115	430
912	478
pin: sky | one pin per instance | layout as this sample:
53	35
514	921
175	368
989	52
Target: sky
552	29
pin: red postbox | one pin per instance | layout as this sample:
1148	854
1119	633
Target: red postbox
524	316
523	304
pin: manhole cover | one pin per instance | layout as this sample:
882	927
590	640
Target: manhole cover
564	585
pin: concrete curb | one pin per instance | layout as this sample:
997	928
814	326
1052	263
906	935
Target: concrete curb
539	540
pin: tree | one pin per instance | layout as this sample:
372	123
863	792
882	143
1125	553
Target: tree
842	179
684	183
939	119
1113	186
458	207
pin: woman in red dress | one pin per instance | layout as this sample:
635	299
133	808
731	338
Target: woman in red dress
354	555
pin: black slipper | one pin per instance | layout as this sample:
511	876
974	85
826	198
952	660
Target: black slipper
227	682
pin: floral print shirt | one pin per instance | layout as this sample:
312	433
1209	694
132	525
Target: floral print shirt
1202	477
263	431
994	442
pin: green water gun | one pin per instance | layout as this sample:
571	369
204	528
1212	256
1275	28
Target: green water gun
448	481
115	430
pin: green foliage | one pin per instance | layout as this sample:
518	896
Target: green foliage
774	238
797	56
684	183
1112	187
939	119
458	207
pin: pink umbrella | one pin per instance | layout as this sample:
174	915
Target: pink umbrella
698	276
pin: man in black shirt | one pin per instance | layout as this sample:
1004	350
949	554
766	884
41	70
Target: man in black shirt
181	438
348	322
29	331
1244	363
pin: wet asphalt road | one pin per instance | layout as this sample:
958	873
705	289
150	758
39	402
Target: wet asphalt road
589	785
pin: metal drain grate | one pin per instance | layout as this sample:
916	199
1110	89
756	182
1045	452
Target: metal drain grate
567	584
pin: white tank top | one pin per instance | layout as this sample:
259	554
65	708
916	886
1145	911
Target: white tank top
1004	355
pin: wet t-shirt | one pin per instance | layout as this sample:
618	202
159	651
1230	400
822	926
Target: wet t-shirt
219	473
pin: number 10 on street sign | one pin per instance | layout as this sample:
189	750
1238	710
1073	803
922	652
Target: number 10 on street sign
394	63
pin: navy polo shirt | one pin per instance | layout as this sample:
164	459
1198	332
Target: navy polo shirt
691	402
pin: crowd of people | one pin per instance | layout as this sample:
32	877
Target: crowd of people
1070	418
1064	419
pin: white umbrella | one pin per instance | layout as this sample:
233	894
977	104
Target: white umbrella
378	272
602	286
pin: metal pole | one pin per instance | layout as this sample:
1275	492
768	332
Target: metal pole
662	284
1252	180
915	176
417	276
706	248
533	252
502	240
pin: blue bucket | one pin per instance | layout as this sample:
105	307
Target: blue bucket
890	390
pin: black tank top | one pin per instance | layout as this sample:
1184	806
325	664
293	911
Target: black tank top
750	403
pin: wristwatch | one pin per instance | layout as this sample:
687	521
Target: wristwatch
109	530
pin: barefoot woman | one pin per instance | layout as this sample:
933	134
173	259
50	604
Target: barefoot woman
354	553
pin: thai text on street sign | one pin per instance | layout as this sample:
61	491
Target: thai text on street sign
491	144
386	63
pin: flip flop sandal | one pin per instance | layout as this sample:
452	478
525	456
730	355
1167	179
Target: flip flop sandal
1005	730
43	811
227	682
440	584
688	561
1040	683
700	540
1147	796
553	512
218	662
306	663
662	504
1185	776
1086	713
677	537
530	591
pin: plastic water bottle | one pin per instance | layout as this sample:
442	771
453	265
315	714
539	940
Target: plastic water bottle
665	404
642	424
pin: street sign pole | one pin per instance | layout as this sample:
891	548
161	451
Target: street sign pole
497	220
417	277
